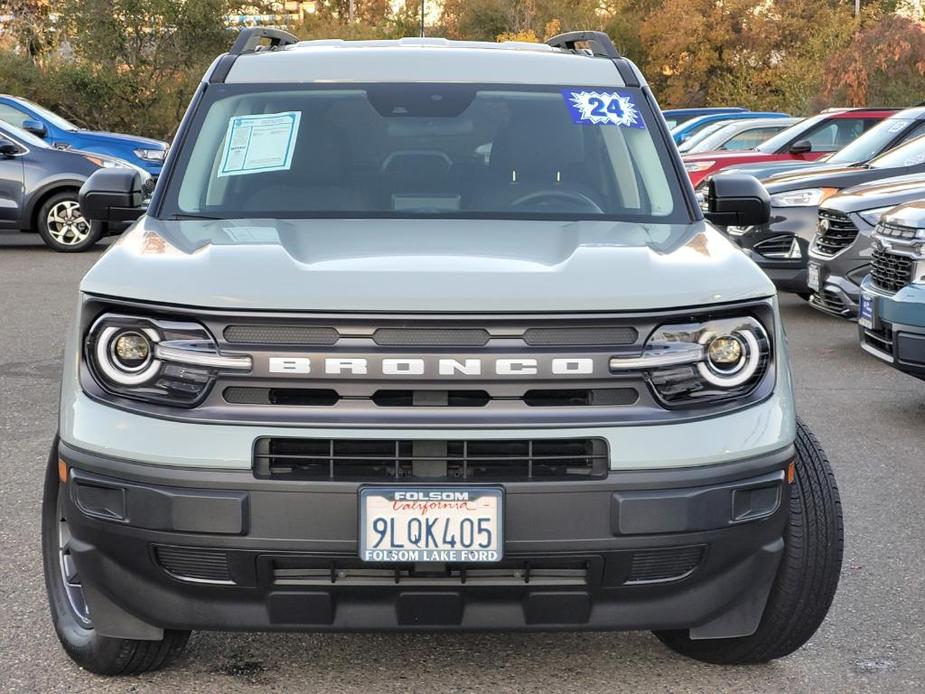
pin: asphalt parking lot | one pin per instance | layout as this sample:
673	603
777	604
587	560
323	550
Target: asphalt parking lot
869	418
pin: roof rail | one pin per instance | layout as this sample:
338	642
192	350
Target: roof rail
600	44
248	40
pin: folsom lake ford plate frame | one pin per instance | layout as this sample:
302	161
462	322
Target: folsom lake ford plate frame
453	524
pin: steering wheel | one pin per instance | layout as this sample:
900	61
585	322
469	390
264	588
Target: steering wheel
551	196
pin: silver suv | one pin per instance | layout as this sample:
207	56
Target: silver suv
430	335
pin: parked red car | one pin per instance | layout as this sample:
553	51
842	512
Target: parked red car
807	140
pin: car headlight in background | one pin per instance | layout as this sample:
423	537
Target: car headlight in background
167	362
737	231
151	154
808	197
107	162
703	363
873	216
694	166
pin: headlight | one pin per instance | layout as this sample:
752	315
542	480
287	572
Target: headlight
107	162
168	362
873	216
694	166
151	154
809	197
703	363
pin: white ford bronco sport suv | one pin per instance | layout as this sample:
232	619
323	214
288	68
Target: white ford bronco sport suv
424	335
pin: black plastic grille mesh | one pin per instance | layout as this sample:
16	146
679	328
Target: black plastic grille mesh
664	564
580	336
280	335
194	563
890	271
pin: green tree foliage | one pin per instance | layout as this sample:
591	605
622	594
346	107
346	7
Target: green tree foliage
132	65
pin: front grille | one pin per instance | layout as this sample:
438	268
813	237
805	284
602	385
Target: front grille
480	460
889	271
659	565
431	337
776	247
194	564
537	397
305	571
836	233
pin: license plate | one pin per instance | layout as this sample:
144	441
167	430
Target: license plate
431	524
866	312
813	276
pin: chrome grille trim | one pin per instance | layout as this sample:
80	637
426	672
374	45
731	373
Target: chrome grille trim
836	233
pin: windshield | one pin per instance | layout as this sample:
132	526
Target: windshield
50	116
783	138
907	154
701	136
870	143
408	150
23	136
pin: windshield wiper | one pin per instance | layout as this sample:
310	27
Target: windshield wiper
181	216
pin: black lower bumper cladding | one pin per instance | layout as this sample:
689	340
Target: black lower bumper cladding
672	549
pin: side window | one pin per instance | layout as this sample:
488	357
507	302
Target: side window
749	139
12	115
832	136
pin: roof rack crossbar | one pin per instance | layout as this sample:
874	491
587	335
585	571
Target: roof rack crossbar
249	39
598	42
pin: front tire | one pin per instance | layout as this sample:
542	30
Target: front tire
62	226
806	578
69	613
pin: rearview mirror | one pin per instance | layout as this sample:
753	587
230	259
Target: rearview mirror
112	195
801	147
737	200
36	127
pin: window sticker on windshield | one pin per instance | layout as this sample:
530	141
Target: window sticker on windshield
258	144
603	108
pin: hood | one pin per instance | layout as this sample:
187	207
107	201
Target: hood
839	177
911	215
732	157
881	193
119	138
435	266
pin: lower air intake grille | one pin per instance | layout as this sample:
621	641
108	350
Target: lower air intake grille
194	564
456	461
657	565
297	571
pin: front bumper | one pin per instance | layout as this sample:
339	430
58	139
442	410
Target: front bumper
162	548
781	247
897	333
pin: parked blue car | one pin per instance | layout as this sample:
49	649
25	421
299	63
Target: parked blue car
689	128
675	116
891	315
60	133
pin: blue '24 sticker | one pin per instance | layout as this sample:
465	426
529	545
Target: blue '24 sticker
603	108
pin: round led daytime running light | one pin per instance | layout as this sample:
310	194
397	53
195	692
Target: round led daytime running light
738	373
113	368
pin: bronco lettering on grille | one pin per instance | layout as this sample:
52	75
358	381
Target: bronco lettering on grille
360	366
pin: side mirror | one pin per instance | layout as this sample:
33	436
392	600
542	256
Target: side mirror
112	195
8	149
36	127
801	147
737	200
